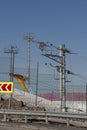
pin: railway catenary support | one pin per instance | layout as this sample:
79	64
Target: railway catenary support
62	78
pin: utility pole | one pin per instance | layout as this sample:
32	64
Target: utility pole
12	51
37	82
62	78
28	38
86	97
61	60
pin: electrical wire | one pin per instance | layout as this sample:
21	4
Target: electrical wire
81	77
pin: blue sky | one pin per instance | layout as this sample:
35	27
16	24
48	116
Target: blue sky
56	21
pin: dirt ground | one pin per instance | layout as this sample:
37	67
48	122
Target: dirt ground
19	126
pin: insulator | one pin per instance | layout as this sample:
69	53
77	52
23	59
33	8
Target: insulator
42	46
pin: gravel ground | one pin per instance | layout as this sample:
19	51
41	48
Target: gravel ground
17	126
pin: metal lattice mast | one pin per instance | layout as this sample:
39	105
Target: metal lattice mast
28	38
12	51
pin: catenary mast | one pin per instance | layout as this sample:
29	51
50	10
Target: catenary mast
28	38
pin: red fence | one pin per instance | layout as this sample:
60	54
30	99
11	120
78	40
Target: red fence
69	96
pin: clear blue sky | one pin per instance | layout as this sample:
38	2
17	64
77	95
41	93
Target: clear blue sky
56	21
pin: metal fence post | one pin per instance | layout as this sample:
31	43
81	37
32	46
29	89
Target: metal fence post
86	97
